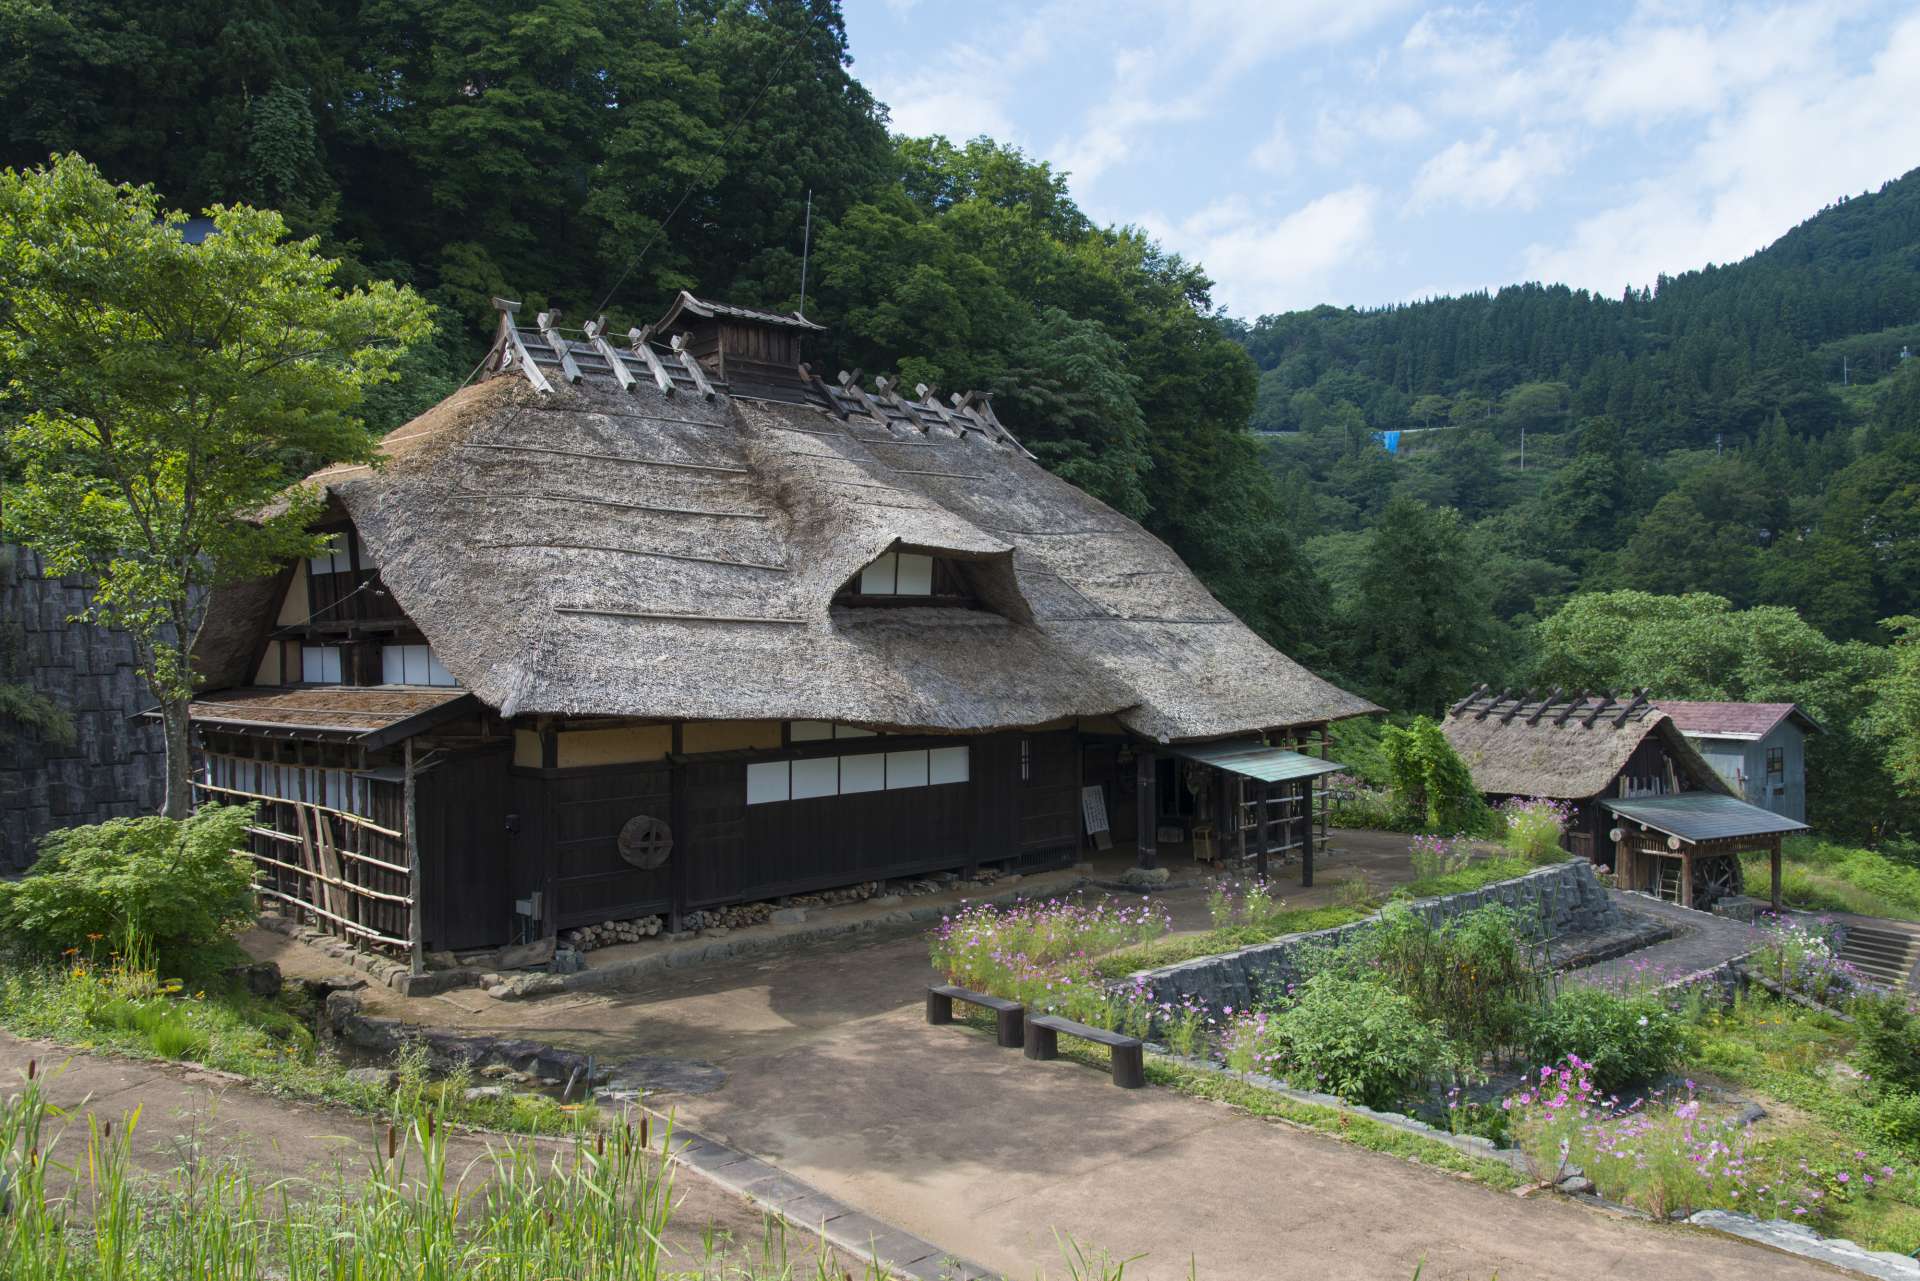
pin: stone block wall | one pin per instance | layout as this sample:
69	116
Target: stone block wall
1564	899
115	766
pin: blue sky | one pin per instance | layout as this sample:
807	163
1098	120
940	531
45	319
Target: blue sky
1376	151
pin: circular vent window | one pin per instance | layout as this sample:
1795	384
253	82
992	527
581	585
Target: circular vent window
646	842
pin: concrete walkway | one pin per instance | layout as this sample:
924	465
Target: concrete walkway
1701	942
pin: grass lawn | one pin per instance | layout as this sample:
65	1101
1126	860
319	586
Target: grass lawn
127	1010
1825	877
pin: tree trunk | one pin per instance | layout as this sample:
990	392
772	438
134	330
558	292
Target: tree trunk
173	714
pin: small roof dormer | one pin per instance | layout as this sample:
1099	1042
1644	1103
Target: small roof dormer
742	342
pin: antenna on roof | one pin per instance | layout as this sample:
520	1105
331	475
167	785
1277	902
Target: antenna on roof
806	243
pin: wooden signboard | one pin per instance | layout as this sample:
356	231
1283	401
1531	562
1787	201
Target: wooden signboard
1093	804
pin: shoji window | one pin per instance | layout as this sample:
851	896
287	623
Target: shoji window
412	665
800	780
320	664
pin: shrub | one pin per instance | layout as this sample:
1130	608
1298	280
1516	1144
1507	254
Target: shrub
1534	828
175	883
1474	976
1888	1041
1622	1039
1435	856
1354	1037
1431	779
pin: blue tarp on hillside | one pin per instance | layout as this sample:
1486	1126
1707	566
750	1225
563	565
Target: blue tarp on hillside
1389	441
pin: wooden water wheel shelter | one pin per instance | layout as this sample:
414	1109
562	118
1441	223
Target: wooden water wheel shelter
667	622
1645	802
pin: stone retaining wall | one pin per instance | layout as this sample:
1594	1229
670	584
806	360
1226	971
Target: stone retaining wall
1565	899
116	767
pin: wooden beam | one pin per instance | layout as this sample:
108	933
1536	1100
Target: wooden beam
1639	701
850	385
637	340
1518	701
931	403
886	386
692	365
1306	834
1573	705
596	335
547	320
1541	710
1606	701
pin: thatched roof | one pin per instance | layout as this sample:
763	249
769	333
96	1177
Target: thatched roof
1563	748
605	548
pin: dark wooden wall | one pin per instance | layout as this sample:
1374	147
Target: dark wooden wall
465	873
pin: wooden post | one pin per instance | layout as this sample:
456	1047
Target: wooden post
1776	874
1262	829
1306	833
416	924
1686	878
1146	812
1240	820
677	859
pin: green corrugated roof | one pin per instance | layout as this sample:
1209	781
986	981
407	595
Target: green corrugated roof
1255	760
1702	816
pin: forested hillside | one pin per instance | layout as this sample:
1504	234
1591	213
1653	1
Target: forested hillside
600	154
1749	430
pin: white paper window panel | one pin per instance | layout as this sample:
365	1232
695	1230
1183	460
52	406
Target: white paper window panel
878	578
915	575
334	560
320	664
809	731
946	765
767	782
906	769
817	777
851	731
412	665
862	774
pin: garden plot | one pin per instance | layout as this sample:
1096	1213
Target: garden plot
1669	1099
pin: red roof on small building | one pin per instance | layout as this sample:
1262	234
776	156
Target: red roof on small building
1733	720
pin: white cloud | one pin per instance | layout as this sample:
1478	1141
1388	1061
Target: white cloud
1482	174
1274	154
1265	264
1772	158
1336	130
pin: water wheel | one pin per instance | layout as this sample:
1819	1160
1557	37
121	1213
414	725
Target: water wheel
1716	876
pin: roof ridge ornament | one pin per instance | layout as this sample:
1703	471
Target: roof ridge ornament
638	344
692	364
596	335
850	383
886	386
547	320
513	351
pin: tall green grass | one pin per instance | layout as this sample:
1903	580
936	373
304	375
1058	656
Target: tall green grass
1827	877
600	1211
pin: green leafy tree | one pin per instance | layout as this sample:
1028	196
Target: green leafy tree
167	393
1896	712
1699	647
1674	550
1420	629
1430	780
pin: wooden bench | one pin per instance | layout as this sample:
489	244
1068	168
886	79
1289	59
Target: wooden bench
1009	1017
1129	1053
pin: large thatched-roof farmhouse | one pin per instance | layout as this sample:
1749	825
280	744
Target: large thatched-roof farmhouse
1643	801
670	623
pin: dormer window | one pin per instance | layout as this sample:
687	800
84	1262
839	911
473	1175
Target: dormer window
908	578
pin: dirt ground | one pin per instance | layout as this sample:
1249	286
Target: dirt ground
831	1073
